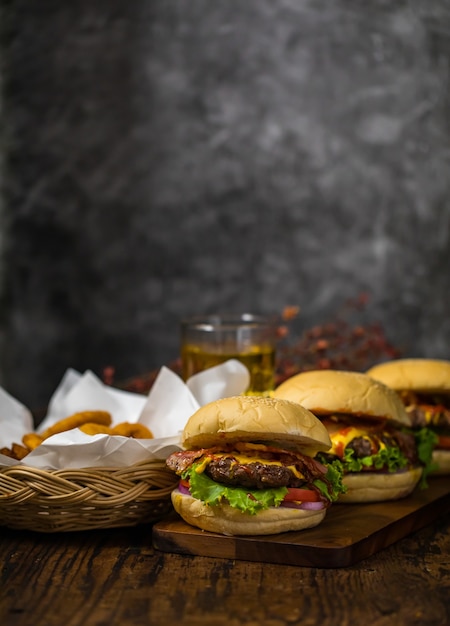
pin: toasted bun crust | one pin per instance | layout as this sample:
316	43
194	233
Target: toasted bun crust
226	520
255	418
442	460
333	391
375	487
420	375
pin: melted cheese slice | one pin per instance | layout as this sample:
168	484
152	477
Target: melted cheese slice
341	438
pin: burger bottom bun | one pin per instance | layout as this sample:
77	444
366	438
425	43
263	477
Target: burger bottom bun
227	520
442	459
377	487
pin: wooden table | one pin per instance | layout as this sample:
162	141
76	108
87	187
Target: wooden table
116	578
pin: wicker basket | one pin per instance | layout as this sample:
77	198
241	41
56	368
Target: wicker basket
81	499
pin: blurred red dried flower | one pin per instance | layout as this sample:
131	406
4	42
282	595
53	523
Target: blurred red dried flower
336	345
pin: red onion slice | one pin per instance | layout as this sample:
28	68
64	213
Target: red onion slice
306	506
312	506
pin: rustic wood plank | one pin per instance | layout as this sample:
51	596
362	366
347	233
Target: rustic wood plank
116	578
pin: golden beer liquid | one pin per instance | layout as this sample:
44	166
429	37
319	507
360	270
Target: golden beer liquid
259	360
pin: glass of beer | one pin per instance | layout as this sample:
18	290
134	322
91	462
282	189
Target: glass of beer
209	340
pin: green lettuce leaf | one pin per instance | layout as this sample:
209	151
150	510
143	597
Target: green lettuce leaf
426	440
332	487
389	459
246	500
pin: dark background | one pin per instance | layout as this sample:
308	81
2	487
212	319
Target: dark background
164	157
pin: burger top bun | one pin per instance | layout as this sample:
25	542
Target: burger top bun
333	391
420	375
256	418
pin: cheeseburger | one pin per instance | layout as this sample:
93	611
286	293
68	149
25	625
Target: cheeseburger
248	468
369	428
424	387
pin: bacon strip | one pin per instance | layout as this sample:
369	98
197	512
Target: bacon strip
180	461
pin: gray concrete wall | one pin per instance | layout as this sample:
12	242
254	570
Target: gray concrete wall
167	157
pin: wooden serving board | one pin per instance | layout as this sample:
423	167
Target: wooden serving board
348	534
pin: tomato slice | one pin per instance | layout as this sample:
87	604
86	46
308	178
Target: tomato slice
443	442
184	483
301	495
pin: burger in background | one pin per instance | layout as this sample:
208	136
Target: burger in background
372	442
248	468
424	387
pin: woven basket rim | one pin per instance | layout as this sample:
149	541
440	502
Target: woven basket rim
78	499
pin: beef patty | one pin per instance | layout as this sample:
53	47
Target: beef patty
255	475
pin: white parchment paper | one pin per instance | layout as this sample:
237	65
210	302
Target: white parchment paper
165	410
